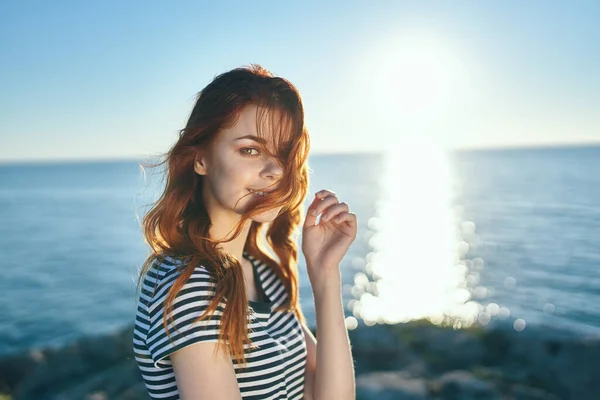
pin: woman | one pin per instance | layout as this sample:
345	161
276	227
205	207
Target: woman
218	314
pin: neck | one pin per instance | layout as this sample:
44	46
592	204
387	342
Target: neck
223	227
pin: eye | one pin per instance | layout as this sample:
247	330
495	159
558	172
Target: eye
248	151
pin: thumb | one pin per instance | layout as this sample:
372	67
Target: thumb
310	218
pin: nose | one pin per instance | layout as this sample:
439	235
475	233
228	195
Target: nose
272	169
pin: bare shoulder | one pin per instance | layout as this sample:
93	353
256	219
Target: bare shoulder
203	373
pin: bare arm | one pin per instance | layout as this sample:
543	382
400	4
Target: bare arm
334	375
203	375
324	245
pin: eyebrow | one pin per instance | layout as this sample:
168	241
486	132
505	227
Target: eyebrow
252	137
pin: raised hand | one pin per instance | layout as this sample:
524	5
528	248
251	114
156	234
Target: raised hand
325	244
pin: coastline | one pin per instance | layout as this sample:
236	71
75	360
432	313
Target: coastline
415	360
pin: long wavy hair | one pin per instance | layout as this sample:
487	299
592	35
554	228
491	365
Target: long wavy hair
177	224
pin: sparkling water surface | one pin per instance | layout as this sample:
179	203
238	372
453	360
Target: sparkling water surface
507	236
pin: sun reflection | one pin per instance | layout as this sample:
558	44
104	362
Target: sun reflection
417	267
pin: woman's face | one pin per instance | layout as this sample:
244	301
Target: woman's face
236	164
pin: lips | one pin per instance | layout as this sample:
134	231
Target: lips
260	193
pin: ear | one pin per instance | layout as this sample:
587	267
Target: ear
200	164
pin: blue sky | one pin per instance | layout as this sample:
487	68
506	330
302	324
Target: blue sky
117	79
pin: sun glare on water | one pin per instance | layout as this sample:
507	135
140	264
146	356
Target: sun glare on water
416	268
419	81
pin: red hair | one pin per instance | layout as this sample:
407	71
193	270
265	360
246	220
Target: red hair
178	224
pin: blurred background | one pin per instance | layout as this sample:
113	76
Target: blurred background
465	135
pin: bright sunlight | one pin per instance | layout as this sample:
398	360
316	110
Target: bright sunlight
420	82
416	268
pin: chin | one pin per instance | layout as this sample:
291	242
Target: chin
267	216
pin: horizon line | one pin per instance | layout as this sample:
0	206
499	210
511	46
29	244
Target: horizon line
139	158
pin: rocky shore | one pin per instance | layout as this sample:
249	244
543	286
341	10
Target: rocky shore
406	361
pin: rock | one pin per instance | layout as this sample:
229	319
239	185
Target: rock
462	385
103	384
551	361
94	366
390	386
135	392
378	348
564	367
518	392
405	361
443	348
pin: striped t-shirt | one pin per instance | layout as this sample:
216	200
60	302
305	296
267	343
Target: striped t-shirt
275	370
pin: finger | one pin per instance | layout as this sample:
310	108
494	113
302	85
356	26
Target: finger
334	210
324	193
347	218
323	204
310	218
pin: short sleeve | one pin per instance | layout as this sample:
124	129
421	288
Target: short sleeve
191	302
